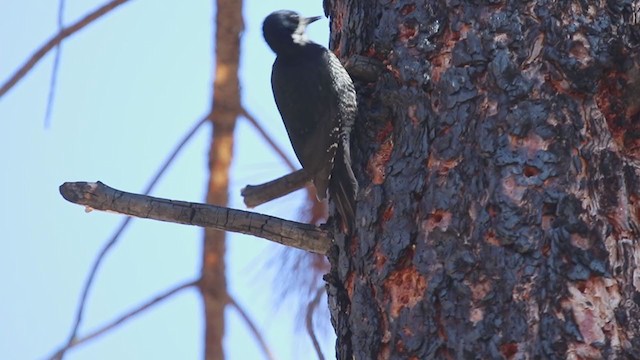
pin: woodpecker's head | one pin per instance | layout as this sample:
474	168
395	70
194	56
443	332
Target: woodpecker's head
284	29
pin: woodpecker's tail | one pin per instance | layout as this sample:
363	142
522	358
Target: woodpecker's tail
343	188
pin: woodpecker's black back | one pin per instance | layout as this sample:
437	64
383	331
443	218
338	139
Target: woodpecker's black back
317	101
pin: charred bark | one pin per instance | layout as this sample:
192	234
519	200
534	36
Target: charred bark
499	164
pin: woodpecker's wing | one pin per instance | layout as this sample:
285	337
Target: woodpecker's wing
305	94
343	187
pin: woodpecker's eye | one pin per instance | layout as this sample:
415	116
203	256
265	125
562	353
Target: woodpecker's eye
294	21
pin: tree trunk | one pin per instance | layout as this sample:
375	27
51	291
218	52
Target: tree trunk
224	112
498	157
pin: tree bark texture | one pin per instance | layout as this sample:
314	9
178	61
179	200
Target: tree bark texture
225	110
499	162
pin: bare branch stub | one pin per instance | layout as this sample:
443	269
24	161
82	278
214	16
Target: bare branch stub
255	195
290	233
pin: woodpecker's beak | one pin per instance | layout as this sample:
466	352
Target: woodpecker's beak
309	20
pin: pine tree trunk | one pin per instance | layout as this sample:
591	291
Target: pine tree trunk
225	109
498	156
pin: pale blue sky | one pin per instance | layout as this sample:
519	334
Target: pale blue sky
129	86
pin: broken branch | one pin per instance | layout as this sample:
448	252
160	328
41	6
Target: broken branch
255	195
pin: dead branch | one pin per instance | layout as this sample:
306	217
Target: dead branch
255	195
123	318
252	326
55	40
290	233
56	66
268	139
116	236
311	308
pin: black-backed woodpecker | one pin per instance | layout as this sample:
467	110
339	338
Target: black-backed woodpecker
317	101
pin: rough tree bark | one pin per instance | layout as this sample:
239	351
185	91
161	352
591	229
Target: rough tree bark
499	162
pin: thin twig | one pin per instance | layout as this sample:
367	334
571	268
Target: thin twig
99	196
126	316
87	286
55	40
254	330
56	66
114	238
165	165
268	139
309	320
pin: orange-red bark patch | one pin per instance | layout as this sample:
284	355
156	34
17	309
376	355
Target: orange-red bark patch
404	288
378	162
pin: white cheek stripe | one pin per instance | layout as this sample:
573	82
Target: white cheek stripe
299	37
